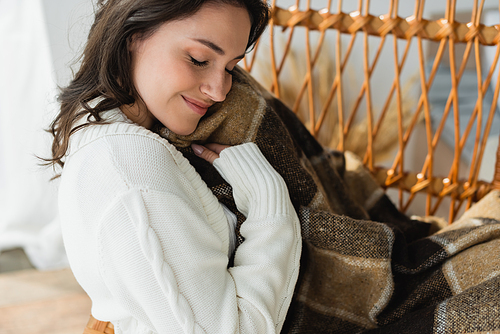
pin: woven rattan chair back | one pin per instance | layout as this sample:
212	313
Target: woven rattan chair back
323	62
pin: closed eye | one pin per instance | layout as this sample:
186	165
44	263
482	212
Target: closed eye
199	63
230	71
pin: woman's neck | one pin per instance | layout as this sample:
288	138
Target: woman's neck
139	114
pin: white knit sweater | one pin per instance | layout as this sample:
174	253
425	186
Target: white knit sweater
149	242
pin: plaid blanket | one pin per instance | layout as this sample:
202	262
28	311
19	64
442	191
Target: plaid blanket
365	267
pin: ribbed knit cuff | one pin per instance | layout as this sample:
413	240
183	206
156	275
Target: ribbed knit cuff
258	189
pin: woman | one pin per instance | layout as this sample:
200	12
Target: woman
145	237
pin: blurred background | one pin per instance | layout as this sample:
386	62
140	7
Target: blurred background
39	41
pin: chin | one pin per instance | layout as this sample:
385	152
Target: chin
182	131
181	128
186	133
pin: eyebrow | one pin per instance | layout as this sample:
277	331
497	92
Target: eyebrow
215	47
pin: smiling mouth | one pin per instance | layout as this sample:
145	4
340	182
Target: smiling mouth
198	107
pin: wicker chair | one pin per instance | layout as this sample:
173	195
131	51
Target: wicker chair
332	106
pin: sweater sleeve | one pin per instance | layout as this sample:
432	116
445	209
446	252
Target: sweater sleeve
266	263
167	268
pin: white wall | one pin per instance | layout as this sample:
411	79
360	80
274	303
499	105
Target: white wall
38	40
68	22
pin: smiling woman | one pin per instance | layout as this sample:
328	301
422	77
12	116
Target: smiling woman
145	237
185	67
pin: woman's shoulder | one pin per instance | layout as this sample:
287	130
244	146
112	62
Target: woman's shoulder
132	151
119	135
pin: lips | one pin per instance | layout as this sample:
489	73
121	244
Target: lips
197	106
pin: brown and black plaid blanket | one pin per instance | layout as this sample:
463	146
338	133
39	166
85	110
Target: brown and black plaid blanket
365	267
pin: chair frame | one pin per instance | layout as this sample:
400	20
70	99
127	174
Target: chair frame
448	33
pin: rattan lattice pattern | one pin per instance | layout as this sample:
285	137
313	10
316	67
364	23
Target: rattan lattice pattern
447	33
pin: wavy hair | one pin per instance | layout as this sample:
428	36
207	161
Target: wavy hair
106	61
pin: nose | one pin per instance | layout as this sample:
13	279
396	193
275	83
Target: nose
217	85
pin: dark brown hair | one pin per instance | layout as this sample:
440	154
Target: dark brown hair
105	67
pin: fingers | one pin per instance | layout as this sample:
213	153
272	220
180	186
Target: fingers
217	148
209	152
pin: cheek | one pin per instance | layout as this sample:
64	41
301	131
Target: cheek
158	79
146	73
150	81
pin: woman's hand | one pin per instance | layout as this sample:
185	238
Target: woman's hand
209	152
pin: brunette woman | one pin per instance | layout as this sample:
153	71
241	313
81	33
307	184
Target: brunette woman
145	237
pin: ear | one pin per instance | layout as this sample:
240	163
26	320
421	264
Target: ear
133	42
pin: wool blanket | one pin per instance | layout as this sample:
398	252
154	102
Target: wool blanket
365	266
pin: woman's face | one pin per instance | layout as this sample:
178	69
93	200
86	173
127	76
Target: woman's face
185	67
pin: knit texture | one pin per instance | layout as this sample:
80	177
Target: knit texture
150	243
